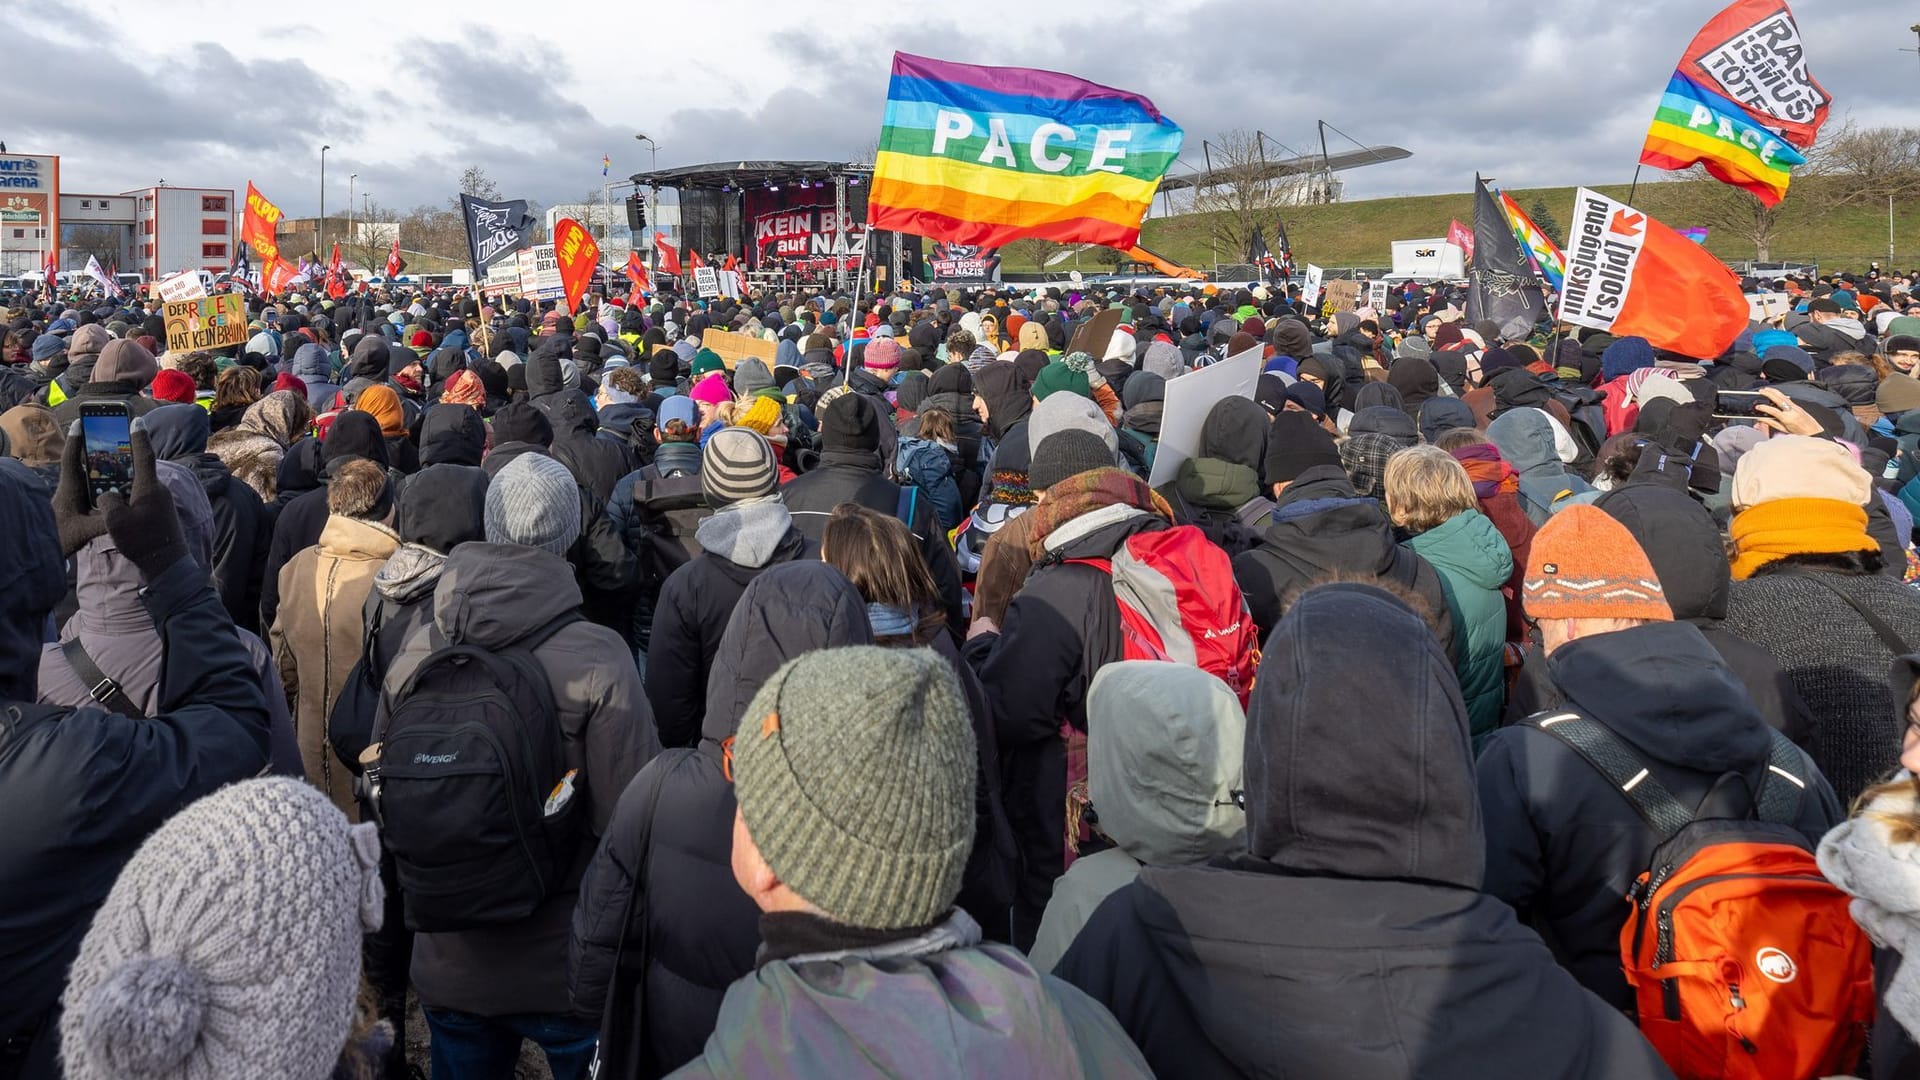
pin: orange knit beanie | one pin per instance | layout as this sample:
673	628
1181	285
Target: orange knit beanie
1586	565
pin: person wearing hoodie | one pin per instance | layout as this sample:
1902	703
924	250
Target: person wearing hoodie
124	370
1525	438
382	402
1429	496
253	449
76	358
1872	858
1219	489
1164	776
951	389
354	436
1060	628
486	988
1319	527
660	929
366	367
83	788
242	531
112	633
35	439
311	365
850	471
452	435
750	530
1352	938
1003	404
1829	330
317	629
1563	843
854	859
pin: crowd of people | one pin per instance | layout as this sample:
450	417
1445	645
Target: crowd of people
868	712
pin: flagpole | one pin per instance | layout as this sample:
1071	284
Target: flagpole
1635	186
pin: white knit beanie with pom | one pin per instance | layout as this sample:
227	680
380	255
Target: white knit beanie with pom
230	945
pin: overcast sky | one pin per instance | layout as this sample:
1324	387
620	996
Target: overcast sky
219	92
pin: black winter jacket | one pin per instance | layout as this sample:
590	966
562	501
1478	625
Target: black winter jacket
655	517
660	918
1352	940
1321	527
1562	844
847	476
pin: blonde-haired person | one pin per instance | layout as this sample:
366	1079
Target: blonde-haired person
1430	497
1875	858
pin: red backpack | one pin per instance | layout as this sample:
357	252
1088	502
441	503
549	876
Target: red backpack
1178	601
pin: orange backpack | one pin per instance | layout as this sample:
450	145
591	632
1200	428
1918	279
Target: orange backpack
1742	957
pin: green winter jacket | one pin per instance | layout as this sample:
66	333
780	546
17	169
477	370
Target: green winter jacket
1473	561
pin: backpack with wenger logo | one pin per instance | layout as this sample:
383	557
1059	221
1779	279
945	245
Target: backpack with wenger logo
1742	957
1178	601
474	787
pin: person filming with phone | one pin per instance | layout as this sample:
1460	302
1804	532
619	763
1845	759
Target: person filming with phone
81	788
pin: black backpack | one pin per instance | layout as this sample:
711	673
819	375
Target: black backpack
474	788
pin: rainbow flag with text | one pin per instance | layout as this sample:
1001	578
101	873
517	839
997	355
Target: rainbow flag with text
1546	254
986	155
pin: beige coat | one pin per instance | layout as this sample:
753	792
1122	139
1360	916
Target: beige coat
317	634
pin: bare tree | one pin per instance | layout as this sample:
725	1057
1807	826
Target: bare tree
474	181
373	236
1033	251
100	241
1241	190
1872	165
1699	199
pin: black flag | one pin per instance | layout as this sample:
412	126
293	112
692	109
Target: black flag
494	230
1259	257
1501	285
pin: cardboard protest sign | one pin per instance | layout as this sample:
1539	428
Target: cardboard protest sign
1310	289
1095	334
540	273
706	282
577	254
732	347
1343	295
187	286
1189	398
209	322
1768	306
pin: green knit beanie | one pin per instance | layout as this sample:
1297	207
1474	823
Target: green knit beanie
854	770
705	362
1063	374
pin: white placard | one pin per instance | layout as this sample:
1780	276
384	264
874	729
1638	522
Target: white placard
706	282
185	286
1310	291
1189	398
540	273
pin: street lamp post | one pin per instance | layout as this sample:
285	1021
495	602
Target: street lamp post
653	208
320	230
351	177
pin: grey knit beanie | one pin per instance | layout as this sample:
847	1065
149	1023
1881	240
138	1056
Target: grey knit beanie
534	501
737	463
854	769
751	374
230	944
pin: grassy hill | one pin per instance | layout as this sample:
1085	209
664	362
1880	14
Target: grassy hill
1358	233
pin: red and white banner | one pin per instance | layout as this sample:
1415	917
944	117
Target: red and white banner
669	258
1751	52
1628	274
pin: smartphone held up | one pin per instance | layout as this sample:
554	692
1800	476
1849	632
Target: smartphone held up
108	430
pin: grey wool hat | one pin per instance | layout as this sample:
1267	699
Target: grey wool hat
534	502
751	374
737	463
230	944
854	769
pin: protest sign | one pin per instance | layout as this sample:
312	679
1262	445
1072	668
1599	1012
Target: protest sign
732	348
1189	398
1094	335
186	286
502	277
706	282
1377	297
540	273
207	322
730	284
1310	289
1342	295
1768	306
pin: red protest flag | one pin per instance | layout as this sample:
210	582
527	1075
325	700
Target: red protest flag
694	261
669	258
276	275
395	263
1628	274
336	280
1461	237
577	254
730	264
1751	53
259	225
637	273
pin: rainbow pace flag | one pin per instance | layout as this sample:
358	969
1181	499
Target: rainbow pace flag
987	155
1695	126
1546	255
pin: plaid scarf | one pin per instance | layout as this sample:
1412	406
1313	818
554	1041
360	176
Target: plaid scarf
1089	491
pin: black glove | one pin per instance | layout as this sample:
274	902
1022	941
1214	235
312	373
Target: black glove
74	516
146	527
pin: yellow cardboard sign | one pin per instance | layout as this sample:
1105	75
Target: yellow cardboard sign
210	322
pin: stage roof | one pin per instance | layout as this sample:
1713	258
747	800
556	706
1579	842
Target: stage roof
719	174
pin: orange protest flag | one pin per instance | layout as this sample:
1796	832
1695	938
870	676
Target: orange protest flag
574	249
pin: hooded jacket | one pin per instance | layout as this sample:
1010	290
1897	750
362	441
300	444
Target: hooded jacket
1320	527
452	435
493	595
663	871
697	599
252	451
598	464
1843	334
84	787
122	372
442	507
1163	767
1473	561
1352	940
311	366
1563	844
1525	438
1219	489
316	637
242	530
301	519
